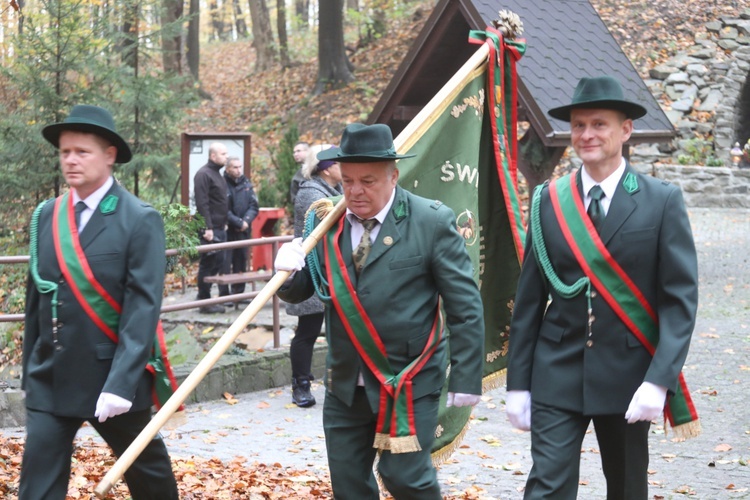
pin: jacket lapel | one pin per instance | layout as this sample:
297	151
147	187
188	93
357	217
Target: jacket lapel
389	234
623	204
346	248
97	224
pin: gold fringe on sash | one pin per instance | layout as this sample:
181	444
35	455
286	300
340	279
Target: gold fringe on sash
382	441
405	444
685	431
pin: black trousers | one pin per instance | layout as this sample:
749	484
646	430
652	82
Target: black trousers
210	265
303	343
556	438
235	261
45	470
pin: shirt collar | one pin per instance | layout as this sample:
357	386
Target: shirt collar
92	201
608	185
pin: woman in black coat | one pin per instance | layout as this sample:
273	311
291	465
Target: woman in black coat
322	179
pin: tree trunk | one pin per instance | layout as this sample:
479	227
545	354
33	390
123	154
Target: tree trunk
302	13
193	39
217	23
171	42
239	20
265	53
129	44
334	67
281	29
21	6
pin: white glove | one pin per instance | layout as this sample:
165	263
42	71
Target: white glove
518	408
110	405
647	403
458	399
290	256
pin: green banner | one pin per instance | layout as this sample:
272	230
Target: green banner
455	164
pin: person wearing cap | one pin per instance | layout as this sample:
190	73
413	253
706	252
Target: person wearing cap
93	299
384	270
605	307
322	179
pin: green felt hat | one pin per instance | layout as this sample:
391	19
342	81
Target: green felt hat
364	144
92	120
601	92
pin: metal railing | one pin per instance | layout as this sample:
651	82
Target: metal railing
271	240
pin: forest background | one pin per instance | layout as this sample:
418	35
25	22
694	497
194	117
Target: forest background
283	71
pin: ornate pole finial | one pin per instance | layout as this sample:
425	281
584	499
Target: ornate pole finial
509	24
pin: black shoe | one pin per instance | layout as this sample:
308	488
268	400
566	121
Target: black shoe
243	302
228	304
212	309
301	393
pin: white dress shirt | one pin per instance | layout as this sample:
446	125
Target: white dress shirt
92	201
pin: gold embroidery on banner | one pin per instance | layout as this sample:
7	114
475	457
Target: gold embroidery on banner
475	102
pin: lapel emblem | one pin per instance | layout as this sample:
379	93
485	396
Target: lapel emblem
108	204
388	241
630	183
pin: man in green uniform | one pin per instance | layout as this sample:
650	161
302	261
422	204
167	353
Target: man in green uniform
605	308
92	307
389	264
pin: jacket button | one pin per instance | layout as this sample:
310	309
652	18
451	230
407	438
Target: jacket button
60	324
589	343
593	294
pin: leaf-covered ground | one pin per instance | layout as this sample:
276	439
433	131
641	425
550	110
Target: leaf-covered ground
197	478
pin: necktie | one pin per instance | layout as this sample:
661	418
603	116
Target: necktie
363	249
595	211
80	207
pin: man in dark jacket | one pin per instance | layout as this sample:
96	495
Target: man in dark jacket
243	207
605	308
211	203
88	335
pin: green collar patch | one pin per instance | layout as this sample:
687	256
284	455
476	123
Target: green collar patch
108	204
630	183
401	209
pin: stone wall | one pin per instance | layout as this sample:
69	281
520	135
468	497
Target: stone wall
706	187
700	90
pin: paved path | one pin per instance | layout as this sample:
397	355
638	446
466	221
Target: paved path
494	459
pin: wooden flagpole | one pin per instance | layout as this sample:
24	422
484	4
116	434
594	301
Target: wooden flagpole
225	341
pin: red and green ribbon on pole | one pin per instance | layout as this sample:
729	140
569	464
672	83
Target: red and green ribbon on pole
502	97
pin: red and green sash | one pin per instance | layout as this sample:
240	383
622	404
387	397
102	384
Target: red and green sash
396	429
619	291
98	304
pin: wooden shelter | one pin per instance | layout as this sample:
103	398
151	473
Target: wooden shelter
566	40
